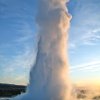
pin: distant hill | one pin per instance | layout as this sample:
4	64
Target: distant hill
9	90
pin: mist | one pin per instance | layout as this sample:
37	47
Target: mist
49	76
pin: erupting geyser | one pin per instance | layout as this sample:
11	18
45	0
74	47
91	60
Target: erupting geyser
49	79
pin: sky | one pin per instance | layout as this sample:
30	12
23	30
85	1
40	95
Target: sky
19	36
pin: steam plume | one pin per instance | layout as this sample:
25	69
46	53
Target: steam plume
49	79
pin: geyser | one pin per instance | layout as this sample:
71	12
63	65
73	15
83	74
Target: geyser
49	79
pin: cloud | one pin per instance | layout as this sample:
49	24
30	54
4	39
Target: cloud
16	9
23	60
87	67
18	56
72	45
18	66
91	37
85	26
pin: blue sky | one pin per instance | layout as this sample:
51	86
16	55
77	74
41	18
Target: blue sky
18	40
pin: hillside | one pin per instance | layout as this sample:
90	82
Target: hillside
9	90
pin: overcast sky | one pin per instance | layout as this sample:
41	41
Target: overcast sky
18	40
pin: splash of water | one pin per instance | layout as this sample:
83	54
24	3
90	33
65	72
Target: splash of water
49	79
